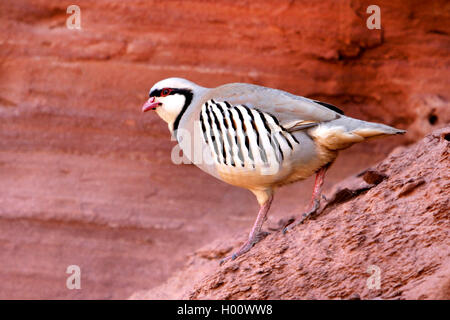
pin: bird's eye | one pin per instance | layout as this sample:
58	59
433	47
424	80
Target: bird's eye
165	92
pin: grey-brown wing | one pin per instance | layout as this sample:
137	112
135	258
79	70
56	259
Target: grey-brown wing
290	110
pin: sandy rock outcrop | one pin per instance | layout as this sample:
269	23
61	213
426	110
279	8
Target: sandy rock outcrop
390	223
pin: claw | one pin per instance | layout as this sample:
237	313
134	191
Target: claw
255	235
304	217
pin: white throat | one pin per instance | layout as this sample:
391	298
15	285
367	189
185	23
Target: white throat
172	107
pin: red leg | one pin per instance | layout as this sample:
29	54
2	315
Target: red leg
253	236
315	199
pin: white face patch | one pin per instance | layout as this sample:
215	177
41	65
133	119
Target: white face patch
171	107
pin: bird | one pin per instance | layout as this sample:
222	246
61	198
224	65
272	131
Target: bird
258	138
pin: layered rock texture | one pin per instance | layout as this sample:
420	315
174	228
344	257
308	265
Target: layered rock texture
87	180
383	234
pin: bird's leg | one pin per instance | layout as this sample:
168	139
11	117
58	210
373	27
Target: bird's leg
315	199
253	237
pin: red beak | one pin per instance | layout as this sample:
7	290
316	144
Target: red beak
151	104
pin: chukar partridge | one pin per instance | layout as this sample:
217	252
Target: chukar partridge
256	137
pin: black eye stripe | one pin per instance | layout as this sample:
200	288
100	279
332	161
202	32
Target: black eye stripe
156	93
159	92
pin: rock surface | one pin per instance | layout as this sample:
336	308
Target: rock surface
85	179
396	228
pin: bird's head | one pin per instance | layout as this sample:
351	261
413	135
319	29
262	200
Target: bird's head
171	97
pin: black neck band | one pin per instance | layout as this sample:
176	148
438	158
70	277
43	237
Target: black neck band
188	99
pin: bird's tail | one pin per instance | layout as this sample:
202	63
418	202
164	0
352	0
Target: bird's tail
344	132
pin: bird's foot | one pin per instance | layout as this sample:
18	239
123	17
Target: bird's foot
245	247
305	216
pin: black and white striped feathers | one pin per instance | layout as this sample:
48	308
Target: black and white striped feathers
240	136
